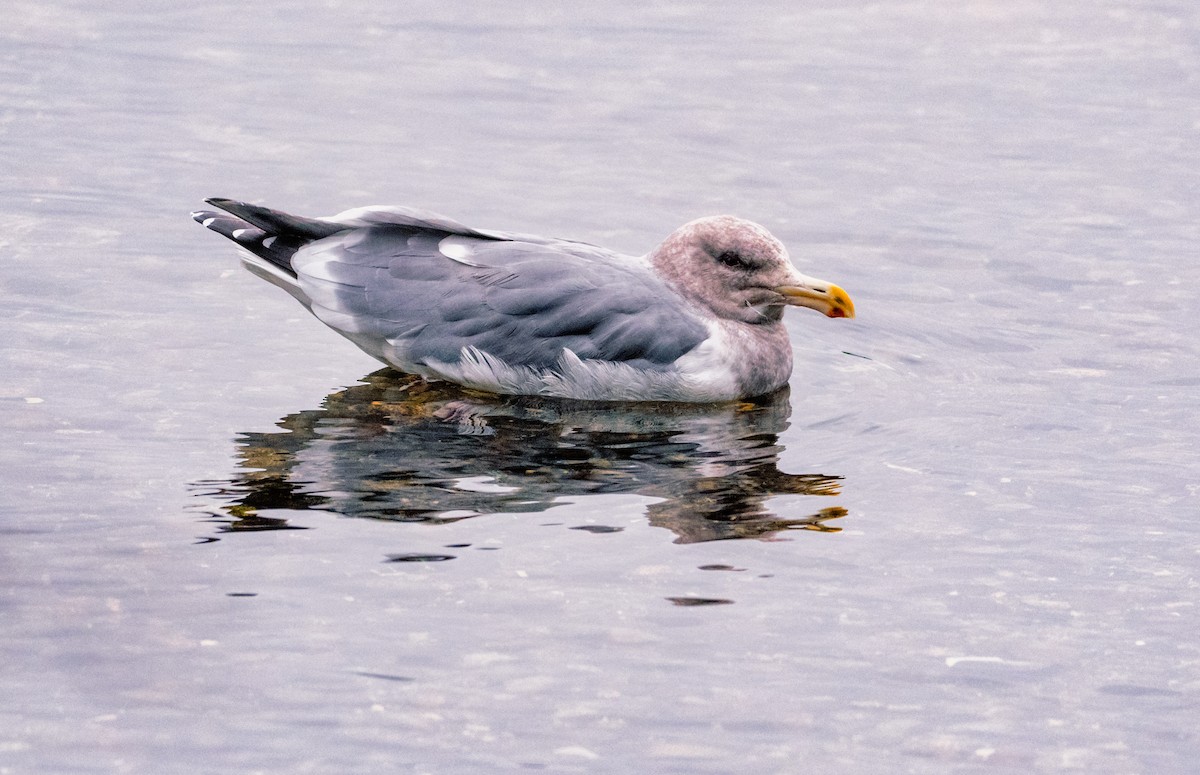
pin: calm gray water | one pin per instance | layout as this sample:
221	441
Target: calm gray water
968	535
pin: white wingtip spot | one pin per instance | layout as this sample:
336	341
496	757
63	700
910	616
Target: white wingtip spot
237	233
207	222
268	242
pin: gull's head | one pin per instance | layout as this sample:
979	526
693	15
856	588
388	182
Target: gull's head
741	272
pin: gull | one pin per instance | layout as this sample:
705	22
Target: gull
697	319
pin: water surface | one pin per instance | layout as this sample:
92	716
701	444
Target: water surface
964	541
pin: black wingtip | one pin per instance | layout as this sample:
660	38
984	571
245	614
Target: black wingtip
233	206
263	232
276	221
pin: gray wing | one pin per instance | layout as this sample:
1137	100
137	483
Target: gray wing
430	293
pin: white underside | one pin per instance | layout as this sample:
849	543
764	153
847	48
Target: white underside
705	374
263	268
575	378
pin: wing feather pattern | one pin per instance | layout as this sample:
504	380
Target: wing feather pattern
520	301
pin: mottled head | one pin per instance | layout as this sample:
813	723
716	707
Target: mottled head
741	272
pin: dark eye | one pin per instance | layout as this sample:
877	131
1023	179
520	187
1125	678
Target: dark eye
733	260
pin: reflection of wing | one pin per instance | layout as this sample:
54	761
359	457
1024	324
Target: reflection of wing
428	294
404	449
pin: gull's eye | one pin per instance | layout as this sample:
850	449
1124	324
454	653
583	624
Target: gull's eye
733	260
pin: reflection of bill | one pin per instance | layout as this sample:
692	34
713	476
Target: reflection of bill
399	448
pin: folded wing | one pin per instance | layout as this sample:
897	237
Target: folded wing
422	294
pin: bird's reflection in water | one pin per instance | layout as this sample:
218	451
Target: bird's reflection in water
398	448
